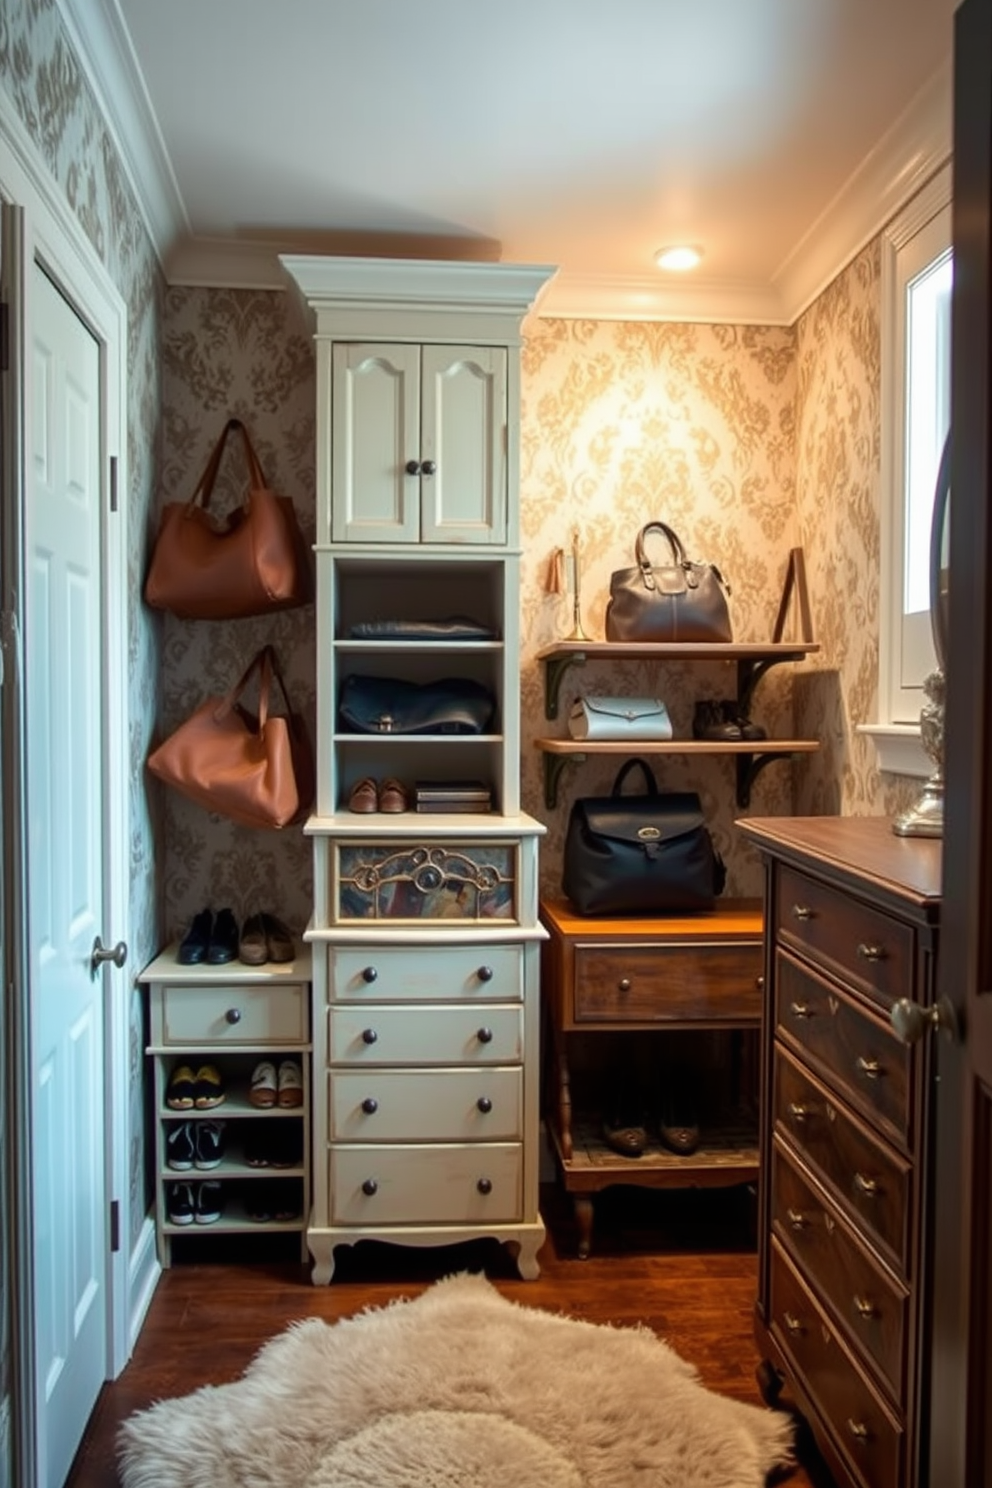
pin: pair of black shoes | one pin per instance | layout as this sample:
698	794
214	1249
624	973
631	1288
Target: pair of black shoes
625	1129
724	723
212	939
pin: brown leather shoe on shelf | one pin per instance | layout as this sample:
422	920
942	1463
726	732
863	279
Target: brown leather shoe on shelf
364	797
393	796
278	939
253	949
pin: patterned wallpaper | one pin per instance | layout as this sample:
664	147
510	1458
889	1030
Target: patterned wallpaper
44	85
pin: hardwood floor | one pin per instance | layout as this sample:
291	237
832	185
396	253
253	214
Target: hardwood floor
679	1262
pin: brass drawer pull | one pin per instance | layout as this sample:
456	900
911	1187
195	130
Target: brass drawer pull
858	1430
797	1219
802	912
866	1186
797	1111
870	1068
623	985
865	1308
792	1323
800	1010
871	952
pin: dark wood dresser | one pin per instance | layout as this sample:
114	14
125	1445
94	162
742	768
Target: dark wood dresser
851	931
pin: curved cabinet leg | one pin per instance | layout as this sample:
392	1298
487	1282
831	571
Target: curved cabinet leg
527	1263
322	1251
770	1382
582	1205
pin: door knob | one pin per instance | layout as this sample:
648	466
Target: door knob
101	953
910	1020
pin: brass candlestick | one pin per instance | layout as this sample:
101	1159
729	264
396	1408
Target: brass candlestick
574	582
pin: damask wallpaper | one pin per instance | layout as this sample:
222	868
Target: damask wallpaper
44	86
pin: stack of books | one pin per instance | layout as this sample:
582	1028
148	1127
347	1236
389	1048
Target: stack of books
453	795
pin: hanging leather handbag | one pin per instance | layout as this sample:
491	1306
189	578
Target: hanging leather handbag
640	855
676	601
256	768
619	718
391	705
252	561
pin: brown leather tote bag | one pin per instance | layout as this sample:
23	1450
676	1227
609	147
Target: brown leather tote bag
675	601
252	561
256	769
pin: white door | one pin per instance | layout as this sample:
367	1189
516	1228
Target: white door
63	767
375	443
463	444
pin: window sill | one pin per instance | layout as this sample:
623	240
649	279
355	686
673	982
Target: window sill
899	749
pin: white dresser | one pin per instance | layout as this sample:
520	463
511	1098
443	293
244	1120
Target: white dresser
425	932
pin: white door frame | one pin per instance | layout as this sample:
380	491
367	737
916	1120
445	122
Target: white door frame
53	238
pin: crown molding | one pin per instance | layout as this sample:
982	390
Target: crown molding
577	296
102	44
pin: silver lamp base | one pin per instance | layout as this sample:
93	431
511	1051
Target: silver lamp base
925	818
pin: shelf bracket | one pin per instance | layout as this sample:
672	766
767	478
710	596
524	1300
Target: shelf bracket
749	674
749	767
554	764
555	668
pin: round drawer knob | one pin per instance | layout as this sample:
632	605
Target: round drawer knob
412	467
485	1185
485	973
485	1035
370	974
370	1105
369	1036
624	984
370	1187
233	1015
484	1104
429	467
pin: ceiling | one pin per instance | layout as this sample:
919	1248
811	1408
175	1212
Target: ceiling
577	133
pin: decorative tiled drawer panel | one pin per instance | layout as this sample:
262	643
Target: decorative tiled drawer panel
425	1035
667	983
426	882
868	1302
476	1184
391	973
440	1105
234	1015
869	1436
855	1048
869	1178
856	941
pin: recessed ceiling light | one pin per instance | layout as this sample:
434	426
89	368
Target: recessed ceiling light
680	256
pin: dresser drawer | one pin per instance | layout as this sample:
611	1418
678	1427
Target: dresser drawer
447	1105
425	1035
852	1047
668	983
425	881
445	1184
233	1015
860	943
869	1436
871	1306
417	973
871	1181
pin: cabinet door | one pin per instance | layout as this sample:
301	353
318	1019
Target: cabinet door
375	431
463	444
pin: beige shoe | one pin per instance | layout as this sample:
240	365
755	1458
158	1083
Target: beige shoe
363	797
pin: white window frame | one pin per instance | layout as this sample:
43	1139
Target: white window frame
920	232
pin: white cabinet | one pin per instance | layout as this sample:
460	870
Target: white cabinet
425	933
419	443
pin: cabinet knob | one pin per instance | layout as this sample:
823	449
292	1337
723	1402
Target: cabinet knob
412	467
797	1219
233	1015
864	1308
865	1185
485	973
485	1185
369	1036
485	1035
484	1104
858	1430
871	952
792	1322
759	983
802	912
623	985
797	1111
799	1009
370	974
370	1105
428	467
870	1068
370	1187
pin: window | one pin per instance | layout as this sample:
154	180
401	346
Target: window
916	383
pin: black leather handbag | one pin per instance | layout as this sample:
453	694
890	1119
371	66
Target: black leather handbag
391	705
640	855
676	601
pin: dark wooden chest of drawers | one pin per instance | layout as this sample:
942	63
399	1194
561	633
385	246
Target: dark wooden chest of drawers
852	927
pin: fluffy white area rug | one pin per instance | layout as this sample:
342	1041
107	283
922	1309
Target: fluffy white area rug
458	1388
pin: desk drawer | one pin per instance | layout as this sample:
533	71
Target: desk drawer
668	983
438	1105
425	1035
870	1305
856	941
854	1048
425	974
475	1184
871	1181
868	1435
232	1015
